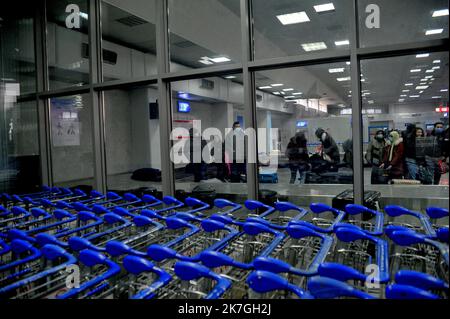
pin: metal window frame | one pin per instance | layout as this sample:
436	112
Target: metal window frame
164	78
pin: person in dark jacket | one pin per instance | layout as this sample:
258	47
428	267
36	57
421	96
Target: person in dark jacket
409	141
374	154
442	143
329	151
393	156
297	153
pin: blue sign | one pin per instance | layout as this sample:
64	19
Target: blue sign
302	124
184	107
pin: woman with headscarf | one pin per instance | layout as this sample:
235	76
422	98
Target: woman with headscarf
297	153
374	154
393	156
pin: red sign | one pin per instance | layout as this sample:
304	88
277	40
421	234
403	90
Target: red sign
442	109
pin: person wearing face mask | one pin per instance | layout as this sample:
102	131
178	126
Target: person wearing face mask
374	154
393	156
329	150
439	152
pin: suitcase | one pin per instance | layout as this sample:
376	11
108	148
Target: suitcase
268	178
371	200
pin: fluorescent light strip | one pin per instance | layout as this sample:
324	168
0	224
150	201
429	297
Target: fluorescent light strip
343	79
408	84
401	100
404	91
264	87
297	93
288	90
444	90
403	95
423	55
324	7
429	71
342	42
276	85
440	13
436	97
414	96
415	70
314	46
293	18
206	62
220	59
230	77
336	70
276	93
434	31
437	61
423	87
435	67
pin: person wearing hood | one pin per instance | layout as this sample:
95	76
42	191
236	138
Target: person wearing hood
375	152
393	156
330	150
297	153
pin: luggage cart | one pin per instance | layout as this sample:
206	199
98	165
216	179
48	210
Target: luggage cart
358	259
175	230
35	278
237	216
234	259
321	217
37	217
193	281
301	254
191	206
15	215
402	219
66	203
369	220
411	284
439	221
416	252
269	285
14	257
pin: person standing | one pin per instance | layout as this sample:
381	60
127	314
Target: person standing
235	152
297	153
329	149
393	156
409	139
374	154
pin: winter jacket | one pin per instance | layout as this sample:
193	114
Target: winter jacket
296	150
395	158
374	153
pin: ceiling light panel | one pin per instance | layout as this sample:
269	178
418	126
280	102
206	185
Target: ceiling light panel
293	18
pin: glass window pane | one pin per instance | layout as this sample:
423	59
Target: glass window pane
288	27
305	132
128	39
67	43
18	65
206	114
133	154
19	144
403	112
204	33
383	22
72	142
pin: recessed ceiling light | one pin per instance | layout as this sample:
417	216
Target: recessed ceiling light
429	71
348	62
415	70
336	70
230	77
347	78
422	87
293	18
444	90
428	77
423	55
414	96
276	93
370	102
288	90
408	84
349	95
276	85
403	95
404	91
265	87
436	67
437	61
434	31
282	93
436	97
324	7
297	93
314	46
420	92
220	59
206	62
342	42
440	13
401	100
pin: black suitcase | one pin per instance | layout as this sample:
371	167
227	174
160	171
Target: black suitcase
371	200
204	192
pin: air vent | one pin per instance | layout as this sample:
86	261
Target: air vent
131	21
184	44
207	84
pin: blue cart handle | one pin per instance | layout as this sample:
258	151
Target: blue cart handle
340	272
214	259
264	281
396	291
437	212
160	253
420	280
328	288
191	271
276	266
